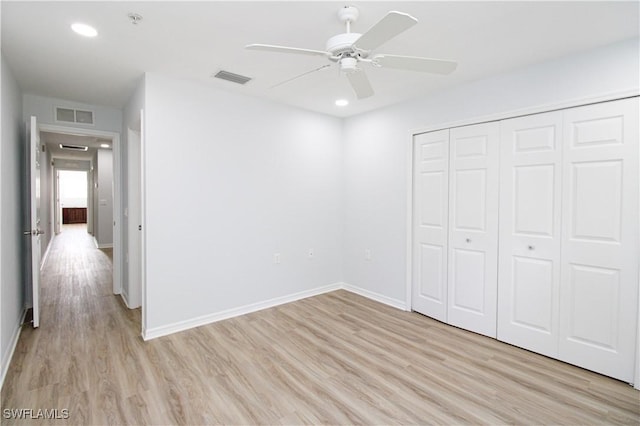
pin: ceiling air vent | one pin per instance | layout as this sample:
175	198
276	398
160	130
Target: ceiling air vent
69	115
74	147
229	76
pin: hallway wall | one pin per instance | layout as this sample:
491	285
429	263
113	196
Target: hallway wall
12	244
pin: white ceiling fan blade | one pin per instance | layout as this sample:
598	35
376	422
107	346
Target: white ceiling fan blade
300	75
415	63
360	84
387	28
285	49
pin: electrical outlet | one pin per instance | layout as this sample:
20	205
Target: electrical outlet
311	254
367	254
276	258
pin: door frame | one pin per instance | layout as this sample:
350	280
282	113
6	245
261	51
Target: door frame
536	109
117	190
34	264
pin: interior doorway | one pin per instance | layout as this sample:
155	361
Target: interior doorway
96	155
71	194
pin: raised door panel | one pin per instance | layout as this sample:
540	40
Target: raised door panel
596	201
534	203
470	200
467	281
599	292
530	214
473	233
430	227
433	198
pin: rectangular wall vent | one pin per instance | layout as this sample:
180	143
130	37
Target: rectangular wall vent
229	76
69	115
74	147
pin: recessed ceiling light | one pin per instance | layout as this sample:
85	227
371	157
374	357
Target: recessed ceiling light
342	102
105	145
84	29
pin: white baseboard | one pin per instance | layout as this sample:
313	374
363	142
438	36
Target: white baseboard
125	299
8	356
152	333
398	304
102	246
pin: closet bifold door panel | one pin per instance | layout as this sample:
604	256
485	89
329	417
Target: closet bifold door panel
473	227
599	282
430	217
530	231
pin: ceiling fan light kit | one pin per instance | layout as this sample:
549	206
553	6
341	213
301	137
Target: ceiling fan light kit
350	49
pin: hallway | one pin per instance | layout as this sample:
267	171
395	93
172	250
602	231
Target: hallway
68	361
76	280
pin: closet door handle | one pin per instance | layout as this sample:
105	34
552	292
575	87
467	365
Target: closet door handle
531	247
468	240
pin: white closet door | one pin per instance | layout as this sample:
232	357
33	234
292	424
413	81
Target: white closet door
430	206
600	238
473	227
530	214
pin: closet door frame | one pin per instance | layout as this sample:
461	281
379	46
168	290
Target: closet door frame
535	109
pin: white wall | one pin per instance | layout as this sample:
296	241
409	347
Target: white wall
377	148
132	198
106	118
104	198
73	188
46	202
11	239
231	180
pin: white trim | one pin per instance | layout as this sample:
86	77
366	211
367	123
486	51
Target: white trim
153	333
46	252
117	190
396	303
258	306
630	93
6	360
484	119
409	228
143	222
75	110
637	375
125	299
101	246
529	111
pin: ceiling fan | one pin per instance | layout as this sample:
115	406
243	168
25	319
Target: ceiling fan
351	49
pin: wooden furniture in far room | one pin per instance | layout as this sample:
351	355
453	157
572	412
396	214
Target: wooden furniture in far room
74	215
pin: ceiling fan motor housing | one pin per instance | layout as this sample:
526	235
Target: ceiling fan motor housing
340	44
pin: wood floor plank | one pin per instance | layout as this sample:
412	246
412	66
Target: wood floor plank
336	358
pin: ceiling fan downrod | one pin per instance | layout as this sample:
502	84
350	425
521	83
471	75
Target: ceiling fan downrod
348	14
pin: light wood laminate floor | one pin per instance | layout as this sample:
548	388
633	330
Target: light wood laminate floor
337	358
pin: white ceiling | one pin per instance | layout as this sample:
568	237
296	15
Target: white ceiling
192	40
53	141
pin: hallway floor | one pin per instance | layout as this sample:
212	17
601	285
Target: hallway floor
68	362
